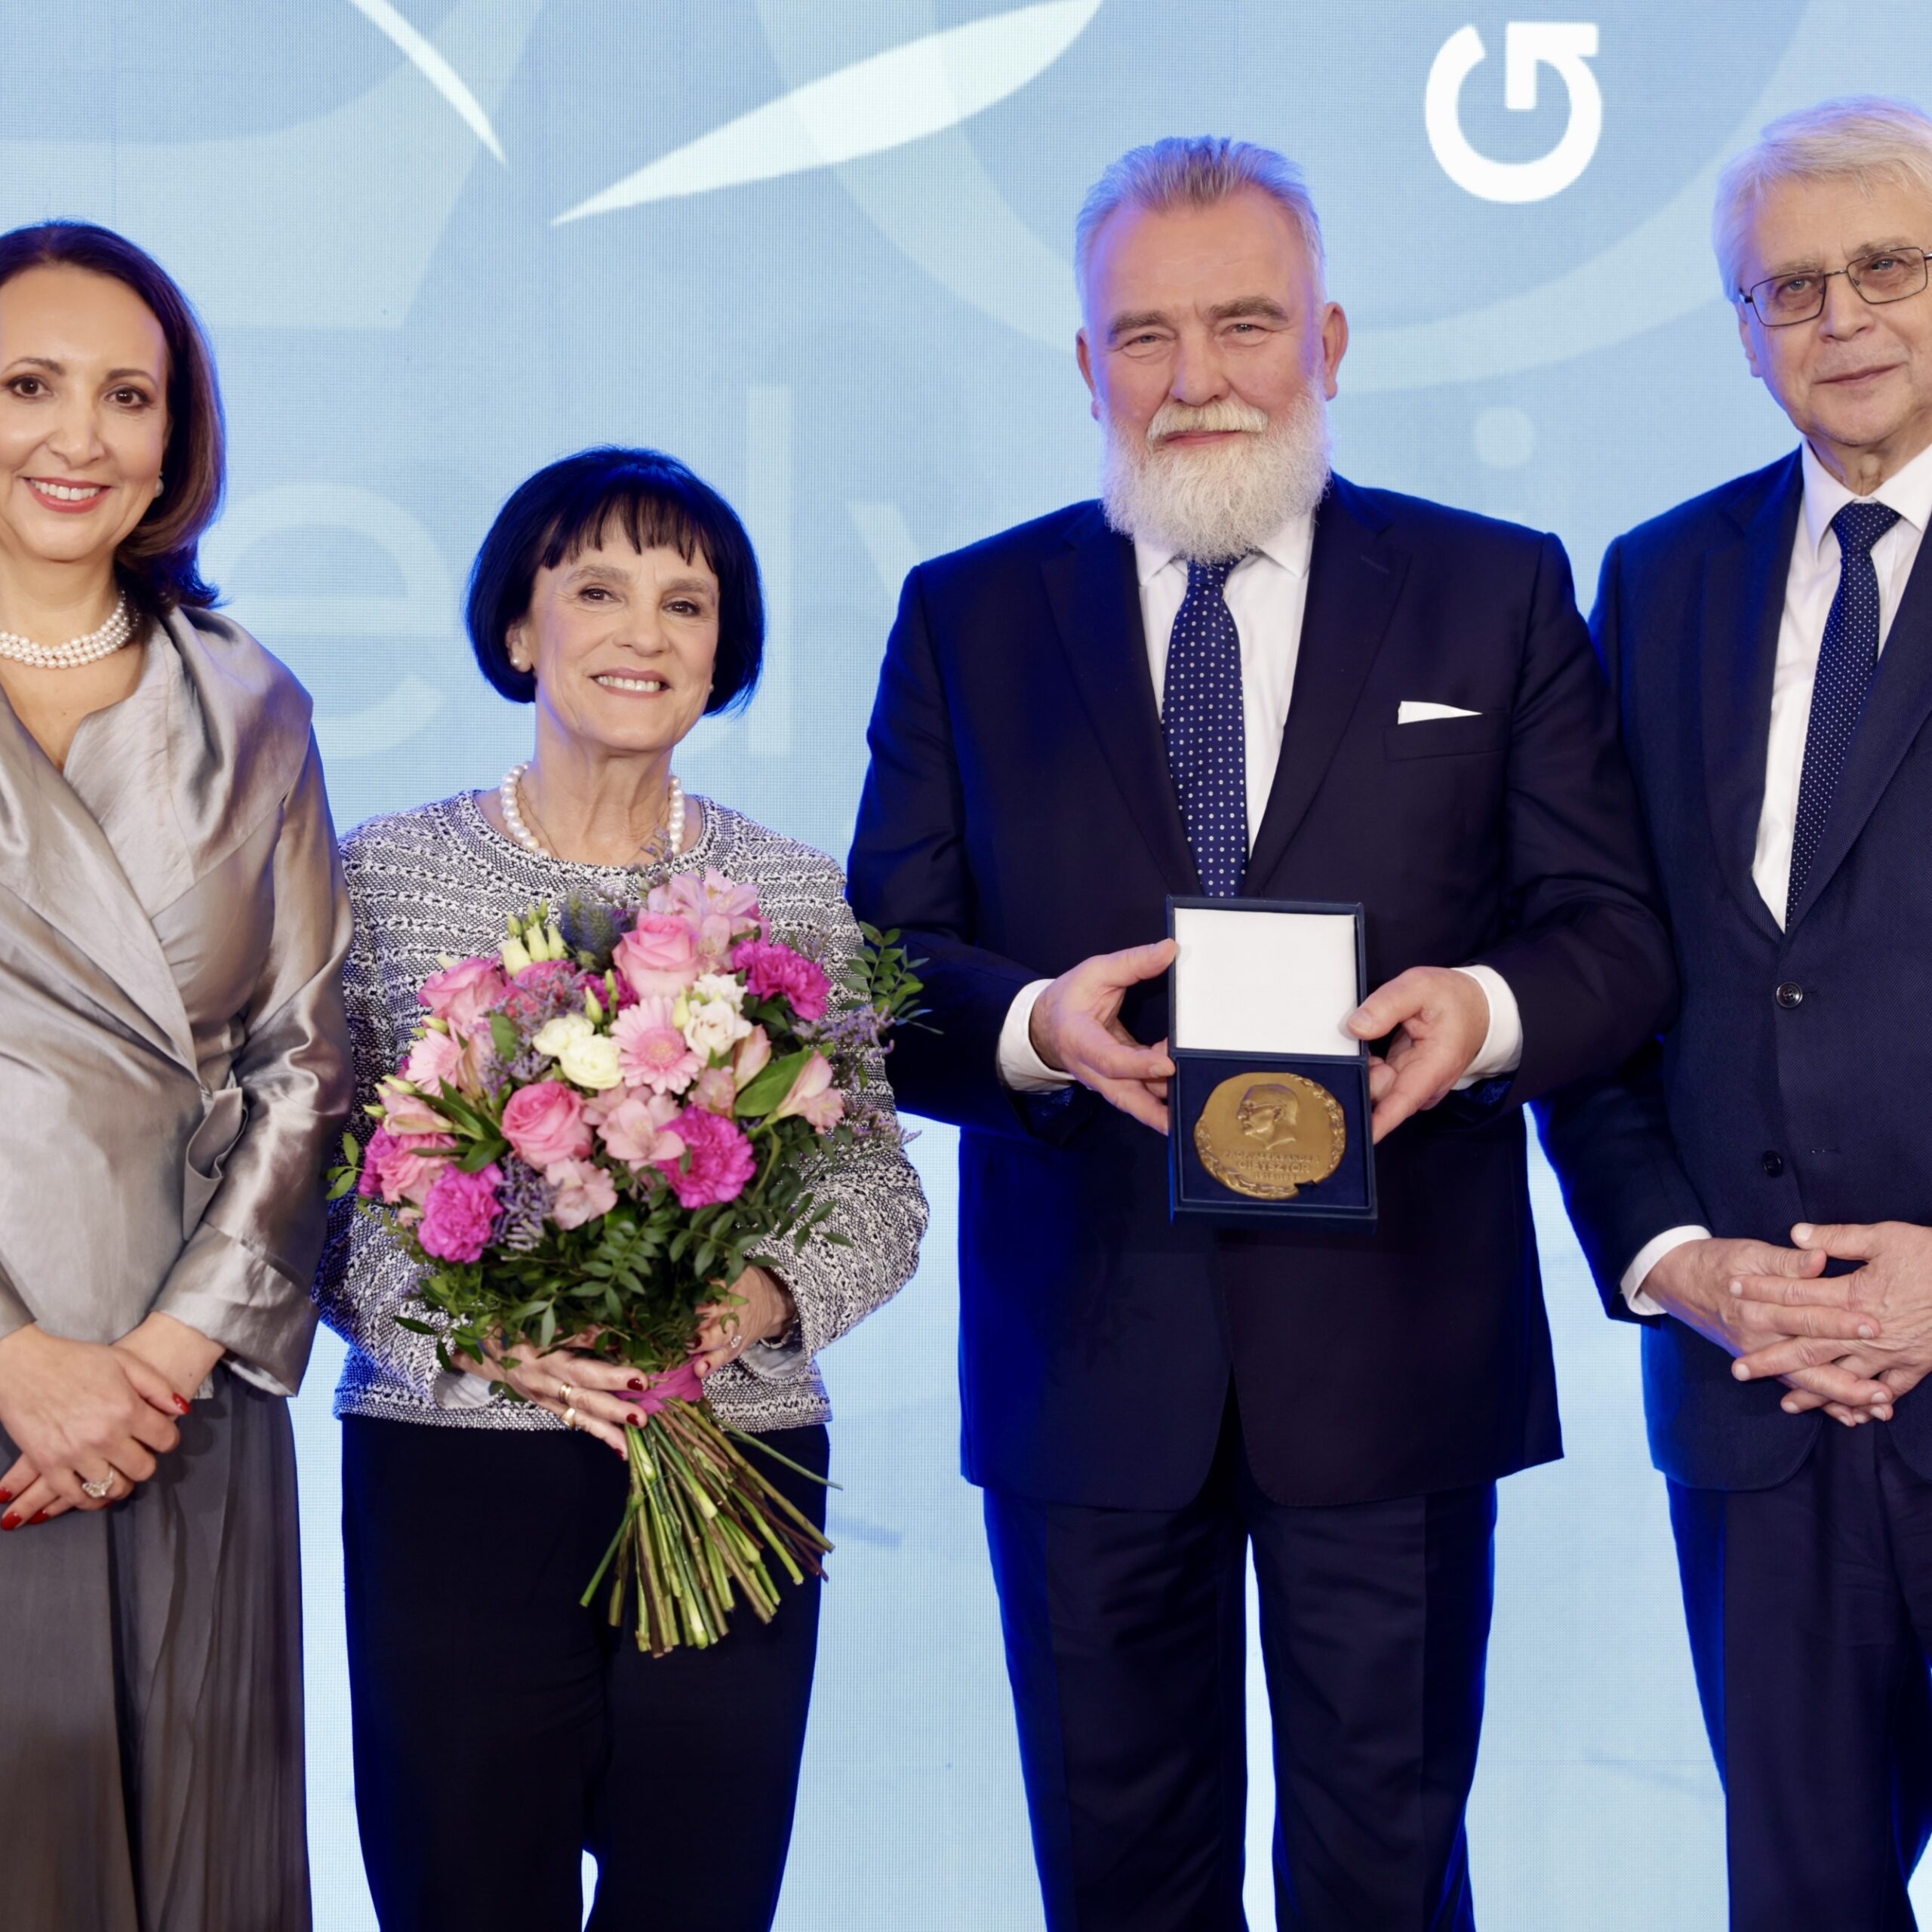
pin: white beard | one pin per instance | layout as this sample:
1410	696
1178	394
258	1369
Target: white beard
1220	500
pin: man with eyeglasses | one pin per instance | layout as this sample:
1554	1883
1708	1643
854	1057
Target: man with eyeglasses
1757	1188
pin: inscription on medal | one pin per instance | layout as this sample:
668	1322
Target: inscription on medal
1269	1135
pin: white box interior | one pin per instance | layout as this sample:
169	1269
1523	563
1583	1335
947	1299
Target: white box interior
1263	983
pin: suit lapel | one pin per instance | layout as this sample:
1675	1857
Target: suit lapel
55	859
1744	586
1096	604
1896	706
1354	577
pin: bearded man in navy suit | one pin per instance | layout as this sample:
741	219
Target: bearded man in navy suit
1770	646
1242	674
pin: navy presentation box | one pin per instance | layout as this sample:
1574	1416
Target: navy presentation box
1269	1106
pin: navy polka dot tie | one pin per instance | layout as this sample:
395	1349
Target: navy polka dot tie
1846	661
1200	715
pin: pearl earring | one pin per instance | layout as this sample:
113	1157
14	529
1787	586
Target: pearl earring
159	484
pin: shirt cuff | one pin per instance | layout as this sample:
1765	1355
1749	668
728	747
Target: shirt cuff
1502	1049
1021	1069
1653	1251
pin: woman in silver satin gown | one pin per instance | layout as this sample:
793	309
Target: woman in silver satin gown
173	1069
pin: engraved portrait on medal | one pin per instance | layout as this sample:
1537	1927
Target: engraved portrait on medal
1269	1134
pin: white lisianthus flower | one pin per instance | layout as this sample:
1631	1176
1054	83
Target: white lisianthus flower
714	1026
582	1054
725	986
562	1033
591	1061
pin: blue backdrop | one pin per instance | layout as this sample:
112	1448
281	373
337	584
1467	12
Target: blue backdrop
819	249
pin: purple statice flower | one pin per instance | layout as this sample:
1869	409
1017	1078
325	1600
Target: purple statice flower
524	1201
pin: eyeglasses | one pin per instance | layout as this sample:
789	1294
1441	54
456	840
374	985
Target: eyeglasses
1890	275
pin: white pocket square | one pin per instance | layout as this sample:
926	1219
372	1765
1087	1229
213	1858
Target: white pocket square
1417	711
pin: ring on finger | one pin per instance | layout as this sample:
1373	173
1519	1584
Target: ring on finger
565	1393
569	1417
97	1491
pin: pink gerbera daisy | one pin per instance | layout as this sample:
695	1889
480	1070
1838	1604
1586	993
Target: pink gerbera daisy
651	1052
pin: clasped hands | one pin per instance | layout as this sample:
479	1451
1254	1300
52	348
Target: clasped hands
1436	1021
1849	1344
92	1413
589	1392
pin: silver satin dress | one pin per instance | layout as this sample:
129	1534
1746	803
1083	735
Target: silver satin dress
173	1072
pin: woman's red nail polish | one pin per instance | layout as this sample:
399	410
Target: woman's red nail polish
6	1496
182	1403
636	1381
38	1516
11	1521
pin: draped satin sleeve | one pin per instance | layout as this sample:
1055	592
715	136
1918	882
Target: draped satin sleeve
242	1278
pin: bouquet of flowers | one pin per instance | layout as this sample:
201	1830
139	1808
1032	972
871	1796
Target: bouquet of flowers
591	1137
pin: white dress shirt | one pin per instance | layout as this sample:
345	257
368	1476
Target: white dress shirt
1266	593
1810	586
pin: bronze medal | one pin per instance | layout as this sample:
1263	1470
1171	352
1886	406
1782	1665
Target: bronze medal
1269	1135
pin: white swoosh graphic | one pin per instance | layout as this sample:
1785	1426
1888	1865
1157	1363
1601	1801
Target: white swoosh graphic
902	95
434	69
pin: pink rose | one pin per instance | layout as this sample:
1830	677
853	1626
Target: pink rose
464	993
636	1130
772	971
717	1162
813	1097
651	1051
459	1213
544	1122
583	1193
659	954
402	1166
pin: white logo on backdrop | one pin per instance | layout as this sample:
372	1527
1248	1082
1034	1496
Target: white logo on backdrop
1528	46
425	612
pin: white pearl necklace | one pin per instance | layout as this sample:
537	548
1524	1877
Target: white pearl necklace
506	795
77	650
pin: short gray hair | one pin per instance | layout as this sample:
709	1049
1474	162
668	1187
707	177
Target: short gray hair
1197	171
1862	137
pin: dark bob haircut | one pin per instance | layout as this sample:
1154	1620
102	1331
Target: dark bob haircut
158	562
574	505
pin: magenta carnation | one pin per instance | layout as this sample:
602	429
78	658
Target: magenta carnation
460	1213
717	1163
772	971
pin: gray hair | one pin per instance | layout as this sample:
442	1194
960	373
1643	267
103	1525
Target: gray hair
1864	138
1194	171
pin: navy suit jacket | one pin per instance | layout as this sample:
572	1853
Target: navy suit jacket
1753	1114
1018	817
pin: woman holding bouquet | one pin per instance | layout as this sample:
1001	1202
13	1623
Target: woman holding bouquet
174	1070
503	1730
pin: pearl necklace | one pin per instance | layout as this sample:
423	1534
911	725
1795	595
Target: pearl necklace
506	795
77	650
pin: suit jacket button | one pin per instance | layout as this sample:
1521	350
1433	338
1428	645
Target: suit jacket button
1774	1164
1790	994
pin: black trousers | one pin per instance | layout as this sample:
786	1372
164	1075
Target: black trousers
1126	1645
1810	1615
501	1731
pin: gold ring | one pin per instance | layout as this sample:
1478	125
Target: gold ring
565	1393
569	1417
